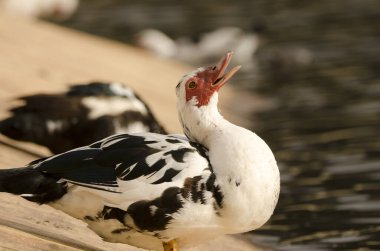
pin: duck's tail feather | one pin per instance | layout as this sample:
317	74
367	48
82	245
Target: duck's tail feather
31	184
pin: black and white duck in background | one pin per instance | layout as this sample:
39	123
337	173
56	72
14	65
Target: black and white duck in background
150	189
82	115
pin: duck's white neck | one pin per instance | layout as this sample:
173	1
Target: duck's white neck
200	124
244	166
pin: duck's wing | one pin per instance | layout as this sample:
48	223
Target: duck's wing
116	162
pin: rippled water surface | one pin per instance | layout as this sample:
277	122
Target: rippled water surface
318	65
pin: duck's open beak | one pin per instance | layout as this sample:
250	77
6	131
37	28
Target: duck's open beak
218	76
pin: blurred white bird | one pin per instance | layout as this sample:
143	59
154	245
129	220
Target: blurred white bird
208	49
54	9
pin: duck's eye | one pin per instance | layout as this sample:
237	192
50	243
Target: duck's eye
192	85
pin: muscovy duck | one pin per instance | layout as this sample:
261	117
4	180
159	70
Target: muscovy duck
149	189
82	115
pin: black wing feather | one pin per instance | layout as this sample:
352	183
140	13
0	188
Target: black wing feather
121	157
72	160
79	166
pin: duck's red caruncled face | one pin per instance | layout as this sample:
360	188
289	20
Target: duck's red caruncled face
209	80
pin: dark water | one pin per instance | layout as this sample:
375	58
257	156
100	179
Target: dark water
319	66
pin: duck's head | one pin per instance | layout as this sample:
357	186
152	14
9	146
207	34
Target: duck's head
196	88
197	94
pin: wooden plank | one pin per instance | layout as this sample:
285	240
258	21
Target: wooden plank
12	239
10	157
49	225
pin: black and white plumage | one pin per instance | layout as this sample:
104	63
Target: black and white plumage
145	189
84	114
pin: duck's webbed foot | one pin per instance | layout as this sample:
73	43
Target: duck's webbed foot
170	245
